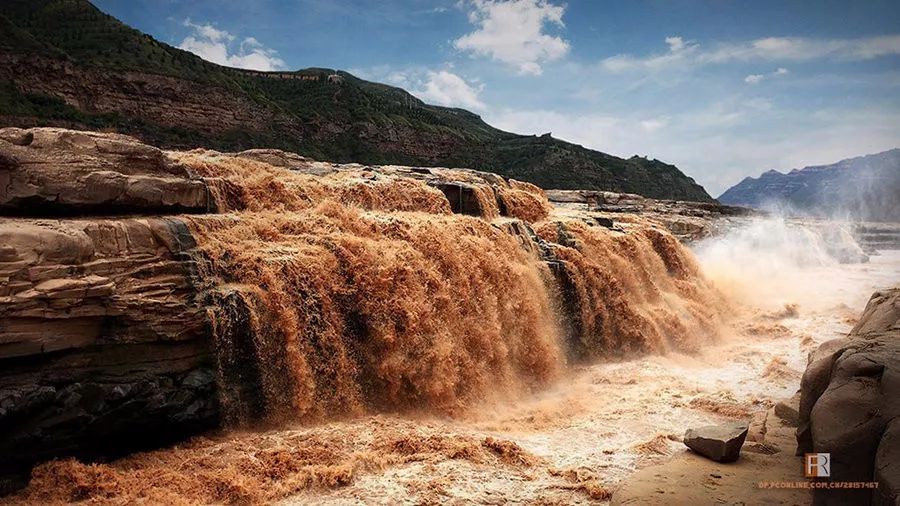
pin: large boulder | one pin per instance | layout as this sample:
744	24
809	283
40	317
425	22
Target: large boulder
721	443
850	405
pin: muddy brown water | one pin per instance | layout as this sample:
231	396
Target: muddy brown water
572	441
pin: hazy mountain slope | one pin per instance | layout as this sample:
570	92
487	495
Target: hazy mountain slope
866	187
63	62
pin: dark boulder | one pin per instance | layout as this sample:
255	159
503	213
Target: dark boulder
721	443
850	404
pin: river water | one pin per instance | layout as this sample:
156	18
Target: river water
604	421
573	442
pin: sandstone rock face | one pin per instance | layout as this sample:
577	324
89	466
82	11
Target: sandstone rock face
877	236
850	405
788	411
758	427
165	100
58	172
881	316
101	337
721	443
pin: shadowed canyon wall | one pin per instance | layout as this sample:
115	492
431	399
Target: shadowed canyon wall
149	295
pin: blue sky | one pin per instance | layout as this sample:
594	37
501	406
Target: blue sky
721	88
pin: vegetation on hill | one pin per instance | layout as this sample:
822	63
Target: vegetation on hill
344	120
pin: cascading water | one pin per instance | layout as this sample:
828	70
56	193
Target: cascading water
632	293
359	292
357	311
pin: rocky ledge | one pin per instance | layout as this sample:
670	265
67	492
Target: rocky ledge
689	221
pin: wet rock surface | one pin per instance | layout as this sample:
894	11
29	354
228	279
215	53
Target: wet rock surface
850	404
721	443
788	411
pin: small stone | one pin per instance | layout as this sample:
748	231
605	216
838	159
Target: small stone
761	448
604	222
721	443
198	378
788	411
758	427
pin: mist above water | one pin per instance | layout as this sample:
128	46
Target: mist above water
772	261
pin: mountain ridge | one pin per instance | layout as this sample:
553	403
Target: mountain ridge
66	63
863	187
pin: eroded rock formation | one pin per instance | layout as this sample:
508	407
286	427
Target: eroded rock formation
689	221
103	340
50	172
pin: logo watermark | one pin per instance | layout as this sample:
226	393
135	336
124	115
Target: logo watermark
817	465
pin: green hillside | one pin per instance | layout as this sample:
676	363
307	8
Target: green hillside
343	119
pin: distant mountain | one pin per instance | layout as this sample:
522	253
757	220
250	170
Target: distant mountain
864	188
65	63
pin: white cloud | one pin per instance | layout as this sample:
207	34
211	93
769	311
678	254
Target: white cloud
754	78
685	54
398	78
675	43
217	46
448	89
758	78
758	104
438	87
652	125
512	31
802	49
679	53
